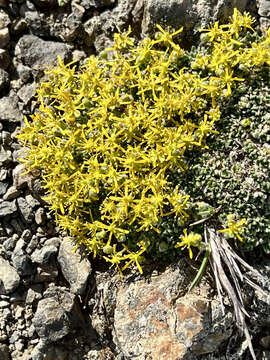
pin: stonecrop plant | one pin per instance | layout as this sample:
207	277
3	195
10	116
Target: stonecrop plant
111	138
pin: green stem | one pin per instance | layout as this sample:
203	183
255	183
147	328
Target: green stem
201	270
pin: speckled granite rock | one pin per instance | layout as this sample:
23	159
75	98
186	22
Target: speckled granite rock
160	310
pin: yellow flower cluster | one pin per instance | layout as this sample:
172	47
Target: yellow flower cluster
235	228
107	137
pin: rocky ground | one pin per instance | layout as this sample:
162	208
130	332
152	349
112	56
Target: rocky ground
58	305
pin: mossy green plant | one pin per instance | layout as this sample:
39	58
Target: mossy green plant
113	138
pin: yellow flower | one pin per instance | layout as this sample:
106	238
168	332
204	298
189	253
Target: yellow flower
134	257
234	227
188	240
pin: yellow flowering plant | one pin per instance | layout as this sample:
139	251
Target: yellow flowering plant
109	137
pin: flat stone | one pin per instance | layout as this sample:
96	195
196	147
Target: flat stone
9	109
39	54
9	278
7	208
75	268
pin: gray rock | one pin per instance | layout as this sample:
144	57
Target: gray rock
4	59
4	37
4	19
55	241
73	24
14	337
74	267
26	210
20	245
4	79
264	8
24	72
20	177
4	352
264	23
97	4
6	137
17	225
7	208
3	174
10	243
9	277
4	304
32	245
31	201
3	188
53	319
39	54
5	155
12	193
42	256
27	92
99	29
9	109
78	55
40	216
34	293
187	13
177	323
26	235
22	262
